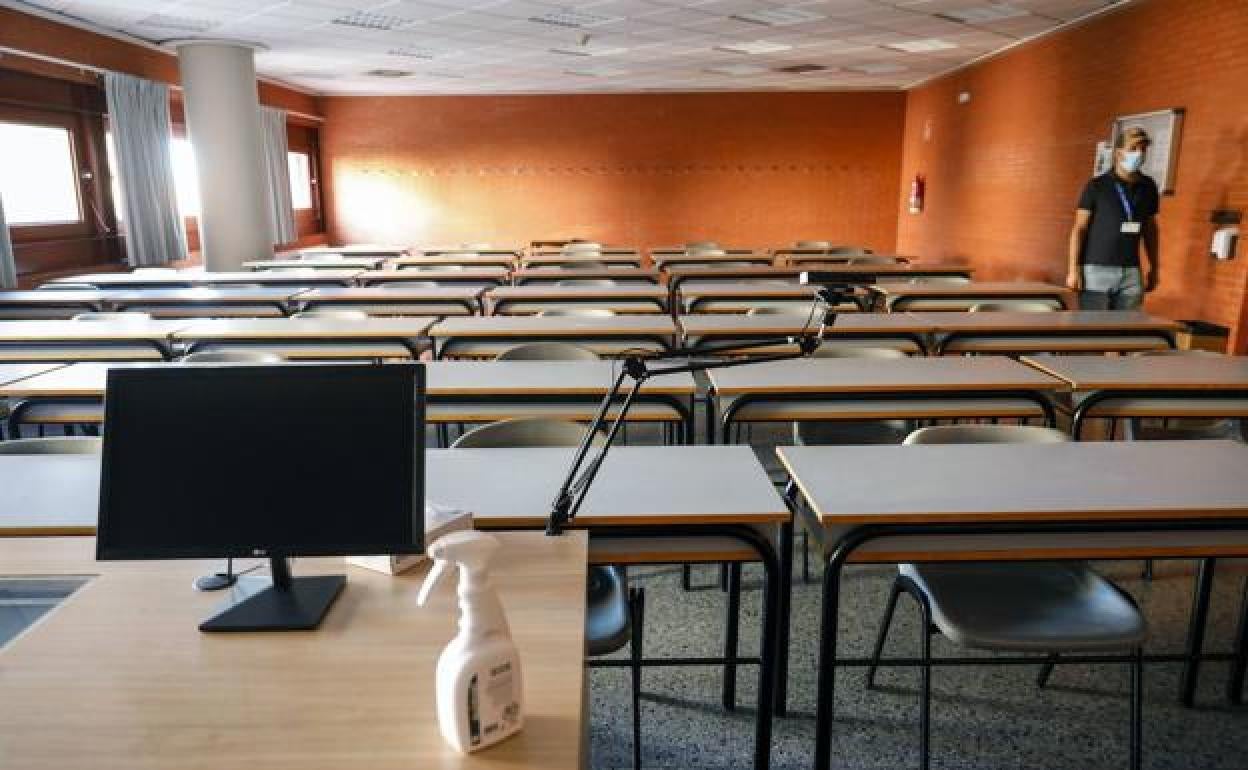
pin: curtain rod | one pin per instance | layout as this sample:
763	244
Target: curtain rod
103	71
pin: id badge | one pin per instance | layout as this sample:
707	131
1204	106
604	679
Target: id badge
1131	228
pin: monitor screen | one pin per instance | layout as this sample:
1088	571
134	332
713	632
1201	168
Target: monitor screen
287	460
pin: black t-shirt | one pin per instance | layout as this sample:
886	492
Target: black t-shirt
1106	244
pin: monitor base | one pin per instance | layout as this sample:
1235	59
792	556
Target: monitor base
293	604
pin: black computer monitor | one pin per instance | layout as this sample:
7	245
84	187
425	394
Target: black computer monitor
264	461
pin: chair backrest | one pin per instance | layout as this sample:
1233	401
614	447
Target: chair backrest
459	254
1016	306
701	245
986	434
333	315
939	279
1182	352
585	282
848	250
865	259
129	315
813	245
584	312
474	246
850	351
52	445
406	285
581	247
433	268
547	351
233	357
524	432
781	308
705	252
586	265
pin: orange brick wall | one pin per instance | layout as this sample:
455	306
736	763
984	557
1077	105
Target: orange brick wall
750	169
1004	171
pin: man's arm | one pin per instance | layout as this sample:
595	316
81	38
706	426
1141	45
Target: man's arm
1078	234
1151	249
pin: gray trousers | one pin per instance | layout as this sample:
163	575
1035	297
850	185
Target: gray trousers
1106	287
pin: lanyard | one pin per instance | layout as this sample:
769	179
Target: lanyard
1126	203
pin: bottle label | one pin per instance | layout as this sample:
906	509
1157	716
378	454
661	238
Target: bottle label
494	705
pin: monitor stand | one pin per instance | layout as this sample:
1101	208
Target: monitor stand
283	604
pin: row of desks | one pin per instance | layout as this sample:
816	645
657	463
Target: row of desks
486	336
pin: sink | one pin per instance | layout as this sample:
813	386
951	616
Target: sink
23	600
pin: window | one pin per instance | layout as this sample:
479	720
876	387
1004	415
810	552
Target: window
185	176
300	180
38	175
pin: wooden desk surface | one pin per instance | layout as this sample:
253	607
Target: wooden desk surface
556	293
793	257
551	274
358	250
476	274
974	288
636	486
317	263
87	331
555	326
693	290
1177	372
10	373
475	260
356	693
202	278
1060	321
729	325
85	379
612	258
406	327
32	297
224	295
498	378
389	294
866	376
662	259
971	483
492	251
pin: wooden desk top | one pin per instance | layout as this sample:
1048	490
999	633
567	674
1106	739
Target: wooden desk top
551	274
87	331
322	263
1022	482
406	327
1057	322
480	274
676	259
389	294
358	250
84	379
801	257
636	486
357	693
555	326
621	257
974	288
693	273
693	290
475	260
47	297
526	378
1143	373
492	250
556	293
201	295
867	376
202	278
10	373
729	325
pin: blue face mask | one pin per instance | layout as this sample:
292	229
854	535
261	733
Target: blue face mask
1132	161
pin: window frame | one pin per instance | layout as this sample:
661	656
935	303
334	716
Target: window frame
78	143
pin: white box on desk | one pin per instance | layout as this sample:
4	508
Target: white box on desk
439	520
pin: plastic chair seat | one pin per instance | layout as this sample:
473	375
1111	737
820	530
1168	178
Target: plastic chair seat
1028	607
607	623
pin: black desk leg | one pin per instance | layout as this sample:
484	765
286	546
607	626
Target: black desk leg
826	692
731	635
1240	663
1196	631
784	611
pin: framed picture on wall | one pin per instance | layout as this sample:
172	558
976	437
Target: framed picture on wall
1166	129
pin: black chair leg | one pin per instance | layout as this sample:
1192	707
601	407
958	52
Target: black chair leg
925	685
1240	663
723	576
882	634
686	577
1137	709
731	635
1147	574
1046	670
1196	630
637	610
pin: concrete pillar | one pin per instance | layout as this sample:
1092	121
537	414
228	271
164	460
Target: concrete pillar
223	122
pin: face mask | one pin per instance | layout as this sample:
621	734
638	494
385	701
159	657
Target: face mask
1132	161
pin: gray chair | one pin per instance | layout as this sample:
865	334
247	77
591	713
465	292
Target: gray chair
586	282
872	432
547	351
586	265
332	315
702	251
584	312
233	357
1182	429
131	316
52	445
614	613
813	245
1013	306
1029	607
949	280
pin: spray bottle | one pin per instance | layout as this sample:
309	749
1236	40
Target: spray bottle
480	689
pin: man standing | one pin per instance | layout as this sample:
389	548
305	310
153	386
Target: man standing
1117	210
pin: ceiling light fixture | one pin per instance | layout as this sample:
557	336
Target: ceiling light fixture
920	46
411	53
378	22
569	18
753	47
179	23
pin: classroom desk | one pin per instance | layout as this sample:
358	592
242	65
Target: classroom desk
189	278
477	276
665	261
1150	386
86	340
487	337
504	259
485	251
900	330
1111	500
312	338
857	274
204	302
316	263
738	297
961	296
10	373
1097	331
621	257
879	389
527	300
395	300
31	304
357	250
624	276
803	257
356	693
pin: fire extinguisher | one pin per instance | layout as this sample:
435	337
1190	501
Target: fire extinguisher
918	188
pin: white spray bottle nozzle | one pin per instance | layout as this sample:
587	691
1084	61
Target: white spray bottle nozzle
469	549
